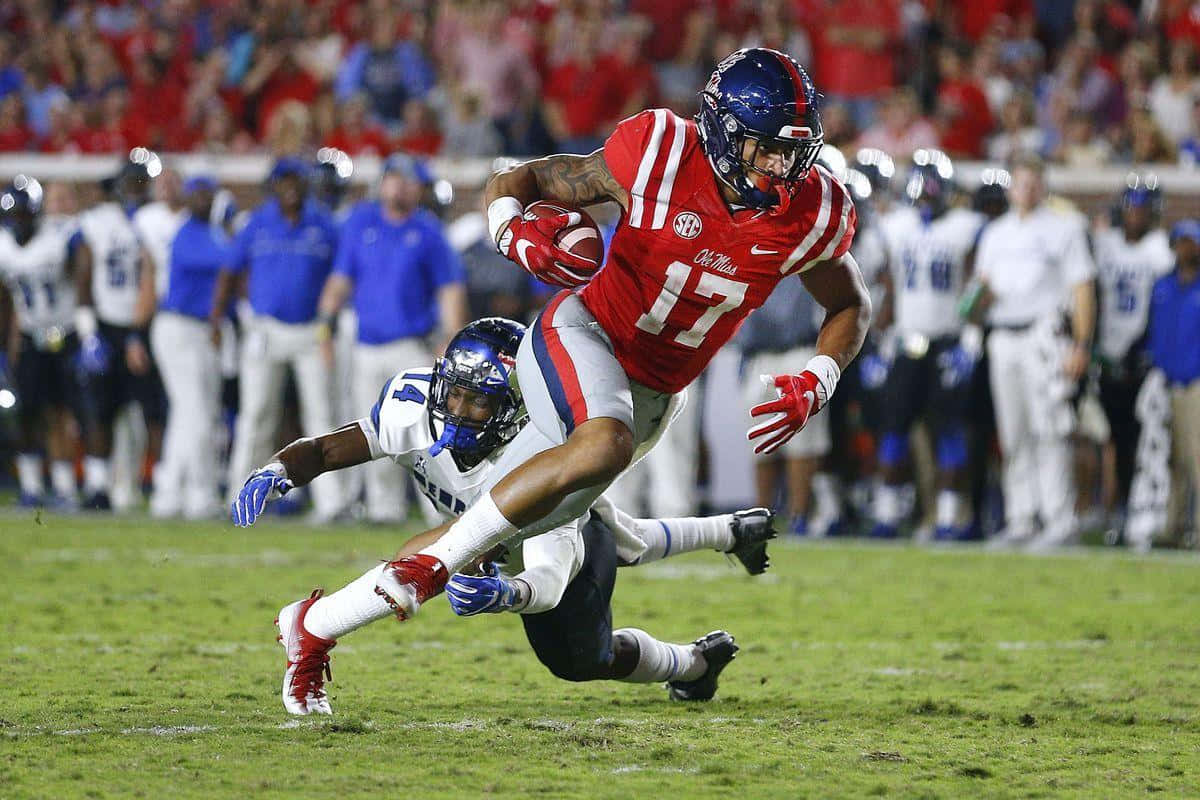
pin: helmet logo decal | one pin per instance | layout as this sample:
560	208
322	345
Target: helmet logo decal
687	225
795	132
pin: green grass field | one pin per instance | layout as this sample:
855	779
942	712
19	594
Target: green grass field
141	662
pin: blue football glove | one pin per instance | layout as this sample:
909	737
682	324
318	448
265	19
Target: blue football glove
470	595
262	486
956	365
94	355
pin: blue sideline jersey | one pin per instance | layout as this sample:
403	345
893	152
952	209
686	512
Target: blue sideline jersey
288	263
195	258
1175	328
397	269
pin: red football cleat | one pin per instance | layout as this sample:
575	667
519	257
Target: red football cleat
407	582
307	660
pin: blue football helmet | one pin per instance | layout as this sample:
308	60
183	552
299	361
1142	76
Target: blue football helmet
877	166
930	183
330	177
991	198
21	207
1142	191
762	96
481	358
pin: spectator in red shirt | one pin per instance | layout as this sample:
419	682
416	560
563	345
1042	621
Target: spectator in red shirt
855	57
274	79
14	135
580	98
421	135
979	18
631	74
357	134
963	116
901	128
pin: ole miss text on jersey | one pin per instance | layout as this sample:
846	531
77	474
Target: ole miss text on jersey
683	269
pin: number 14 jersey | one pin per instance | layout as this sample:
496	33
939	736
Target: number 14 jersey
683	270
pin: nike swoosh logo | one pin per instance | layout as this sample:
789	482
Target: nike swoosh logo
758	251
522	246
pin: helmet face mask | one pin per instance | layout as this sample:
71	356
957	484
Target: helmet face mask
760	125
474	405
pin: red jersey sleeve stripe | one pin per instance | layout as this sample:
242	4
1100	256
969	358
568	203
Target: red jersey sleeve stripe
663	202
828	240
818	228
637	203
843	223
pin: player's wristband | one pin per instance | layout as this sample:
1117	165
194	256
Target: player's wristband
136	336
828	373
500	212
85	322
278	468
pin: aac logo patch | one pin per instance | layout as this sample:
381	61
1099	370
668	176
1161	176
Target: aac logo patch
687	225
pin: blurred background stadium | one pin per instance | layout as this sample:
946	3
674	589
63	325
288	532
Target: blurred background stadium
1102	89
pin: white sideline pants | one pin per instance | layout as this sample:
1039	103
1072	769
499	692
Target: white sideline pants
185	480
375	365
1034	420
666	478
268	348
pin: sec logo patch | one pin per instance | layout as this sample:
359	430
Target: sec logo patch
687	225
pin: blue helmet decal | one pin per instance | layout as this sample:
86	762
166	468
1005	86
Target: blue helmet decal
763	97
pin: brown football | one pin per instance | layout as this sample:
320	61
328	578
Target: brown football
581	239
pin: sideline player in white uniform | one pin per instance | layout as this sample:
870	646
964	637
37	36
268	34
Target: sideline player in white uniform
930	244
158	221
1034	270
1129	259
36	264
447	428
111	321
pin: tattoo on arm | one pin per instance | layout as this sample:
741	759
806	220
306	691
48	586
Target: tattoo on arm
577	180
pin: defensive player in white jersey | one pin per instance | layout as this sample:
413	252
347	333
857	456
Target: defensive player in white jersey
36	263
114	311
1129	259
447	427
158	221
930	244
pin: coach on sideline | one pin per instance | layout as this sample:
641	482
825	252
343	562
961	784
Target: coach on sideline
408	290
1036	274
185	480
287	247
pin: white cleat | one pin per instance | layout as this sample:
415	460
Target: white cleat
307	660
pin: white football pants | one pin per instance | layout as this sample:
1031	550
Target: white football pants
267	349
185	480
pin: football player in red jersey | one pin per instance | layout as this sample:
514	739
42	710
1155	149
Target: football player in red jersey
715	212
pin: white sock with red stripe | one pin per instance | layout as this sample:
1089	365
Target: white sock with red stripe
662	661
670	537
480	528
349	608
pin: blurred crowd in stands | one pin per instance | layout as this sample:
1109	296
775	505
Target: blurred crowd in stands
1083	82
316	84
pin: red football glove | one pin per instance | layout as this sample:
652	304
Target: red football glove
799	399
529	241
